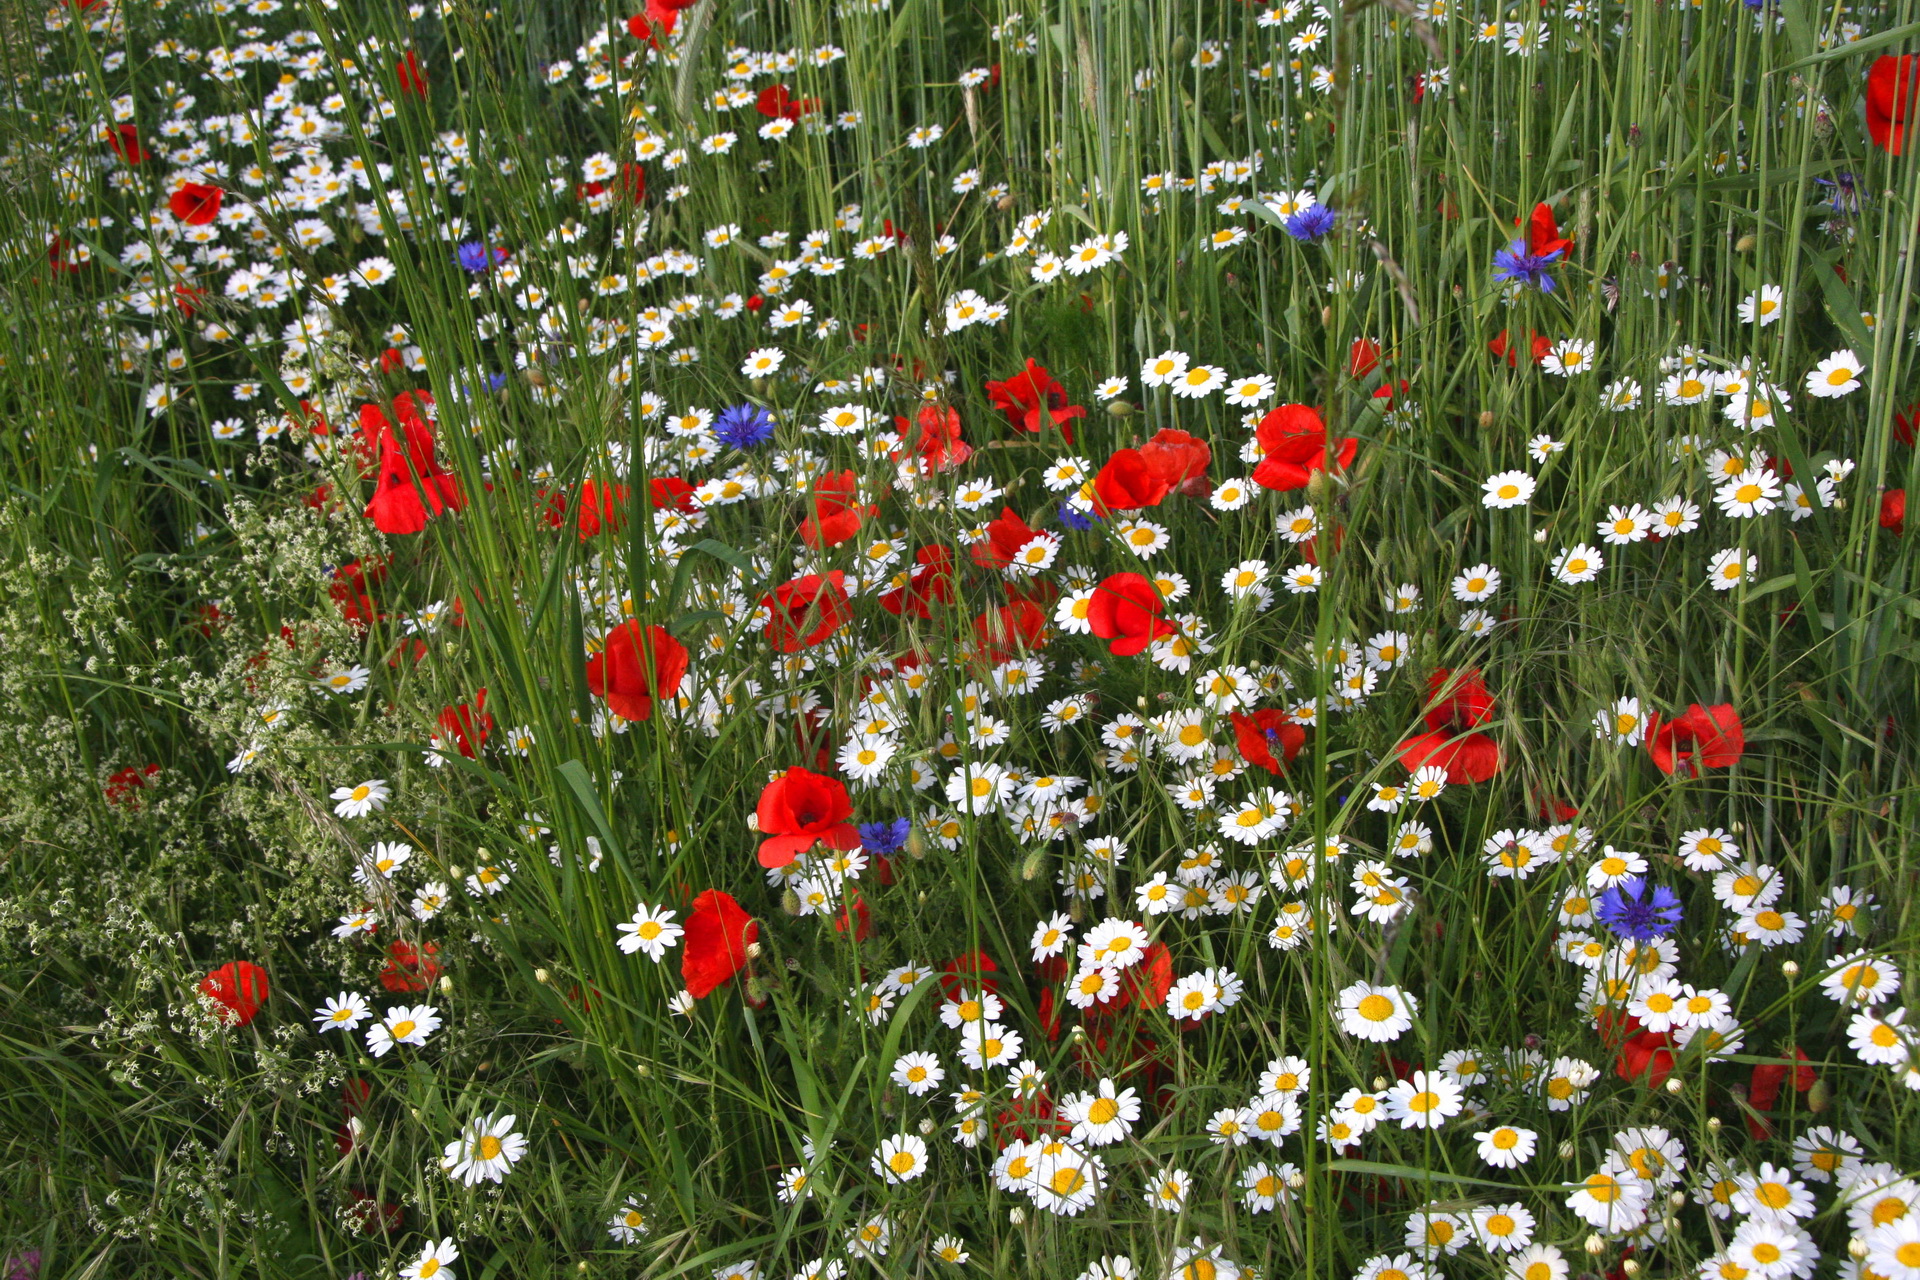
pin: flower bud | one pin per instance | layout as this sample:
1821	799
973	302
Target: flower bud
1629	1267
1016	1215
790	902
1820	1097
1379	1083
1857	1249
1677	1199
926	1128
1791	968
1566	1150
1119	409
1035	863
1745	243
446	984
754	950
1486	417
1595	1245
542	976
642	1070
1713	1124
1676	1086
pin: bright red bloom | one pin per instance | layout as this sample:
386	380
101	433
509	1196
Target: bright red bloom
1702	738
670	491
409	968
1763	1088
349	591
637	665
837	513
1906	426
195	204
1006	534
1893	92
125	141
800	809
1125	611
412	485
466	726
602	506
124	787
968	972
1362	357
413	77
1893	510
776	102
1293	443
1004	633
239	988
1182	458
58	251
1263	733
934	438
1543	234
1129	483
717	937
861	913
1031	399
1646	1057
1456	704
807	610
928	582
1537	343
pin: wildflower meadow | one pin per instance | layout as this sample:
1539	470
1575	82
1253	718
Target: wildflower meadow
1101	640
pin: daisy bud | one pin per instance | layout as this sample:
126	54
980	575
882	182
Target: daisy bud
754	950
1566	1150
1629	1268
542	976
1379	1083
1539	535
1857	1249
1791	968
455	871
642	1070
1296	1180
1676	1086
1677	1199
1016	1215
1595	1245
926	1128
446	984
1713	1124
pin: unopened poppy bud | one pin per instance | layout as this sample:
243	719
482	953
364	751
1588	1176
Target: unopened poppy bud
1595	1245
756	991
1791	968
790	902
1119	409
916	844
1035	863
1744	244
1820	1097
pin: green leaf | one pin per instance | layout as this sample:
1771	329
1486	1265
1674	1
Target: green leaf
580	782
1853	48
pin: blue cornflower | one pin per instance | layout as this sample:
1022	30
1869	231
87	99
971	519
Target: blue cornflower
1075	519
1518	262
495	381
473	256
883	838
1631	912
743	426
1310	223
1845	197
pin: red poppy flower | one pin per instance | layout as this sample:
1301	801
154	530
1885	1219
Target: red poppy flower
1265	731
670	491
413	77
195	204
124	787
1702	738
1293	443
399	506
1143	986
125	141
800	809
466	726
863	929
777	102
1543	234
968	972
837	515
1537	343
1182	458
1006	534
928	582
716	940
1892	88
1362	357
1004	633
59	257
1763	1088
409	968
1128	483
1646	1057
806	610
1893	510
1456	704
239	988
602	506
1031	399
1125	611
637	665
934	438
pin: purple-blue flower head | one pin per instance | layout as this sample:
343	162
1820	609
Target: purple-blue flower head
1518	262
474	256
1310	223
1073	519
883	838
743	426
1632	912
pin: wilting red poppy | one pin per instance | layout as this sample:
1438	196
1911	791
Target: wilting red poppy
1456	704
602	506
1647	1057
1892	88
239	988
1004	633
928	582
934	438
413	77
1893	510
837	513
465	727
1031	399
1265	732
1701	738
409	968
1293	443
806	610
800	809
717	937
1125	611
196	204
125	141
637	665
